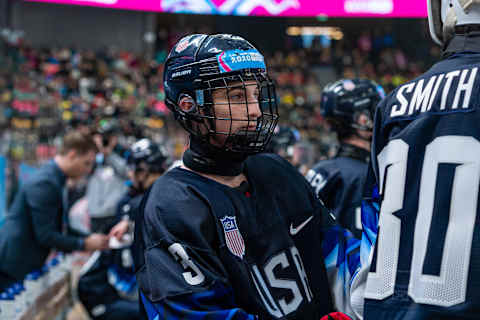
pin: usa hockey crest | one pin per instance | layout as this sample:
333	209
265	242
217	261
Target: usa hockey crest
233	237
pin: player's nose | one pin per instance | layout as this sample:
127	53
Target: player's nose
254	112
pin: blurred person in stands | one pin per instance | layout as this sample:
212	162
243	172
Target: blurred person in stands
36	222
233	233
107	286
107	185
348	106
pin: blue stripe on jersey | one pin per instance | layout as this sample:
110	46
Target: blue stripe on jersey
213	304
370	216
342	261
341	249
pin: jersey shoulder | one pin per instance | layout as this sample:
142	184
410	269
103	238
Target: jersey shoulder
323	174
174	211
277	174
271	167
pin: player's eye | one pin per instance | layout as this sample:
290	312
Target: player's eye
236	95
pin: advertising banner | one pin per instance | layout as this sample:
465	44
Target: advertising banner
285	8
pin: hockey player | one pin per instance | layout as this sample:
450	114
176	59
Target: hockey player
107	285
426	161
348	106
231	234
147	161
283	143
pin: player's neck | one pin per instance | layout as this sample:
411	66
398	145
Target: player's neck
230	181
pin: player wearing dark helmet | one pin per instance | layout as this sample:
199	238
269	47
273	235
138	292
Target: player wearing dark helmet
348	106
107	286
233	233
283	142
147	161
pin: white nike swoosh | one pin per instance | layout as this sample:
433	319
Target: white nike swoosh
332	216
294	231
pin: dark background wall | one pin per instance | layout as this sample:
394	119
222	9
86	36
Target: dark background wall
81	27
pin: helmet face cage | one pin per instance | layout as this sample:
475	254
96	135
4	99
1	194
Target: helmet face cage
215	121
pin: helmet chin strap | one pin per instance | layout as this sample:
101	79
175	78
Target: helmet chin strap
204	158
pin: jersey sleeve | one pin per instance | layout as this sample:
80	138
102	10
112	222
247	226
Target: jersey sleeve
181	274
341	251
370	217
341	254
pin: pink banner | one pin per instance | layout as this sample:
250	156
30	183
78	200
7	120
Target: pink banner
299	8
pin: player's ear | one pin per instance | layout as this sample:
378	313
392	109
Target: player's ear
187	104
71	154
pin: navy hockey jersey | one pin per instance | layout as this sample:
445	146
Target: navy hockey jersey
107	283
426	161
339	183
214	252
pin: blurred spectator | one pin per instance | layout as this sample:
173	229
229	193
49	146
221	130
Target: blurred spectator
107	185
37	220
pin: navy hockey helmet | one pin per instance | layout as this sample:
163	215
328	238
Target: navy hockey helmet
284	140
200	64
345	100
153	155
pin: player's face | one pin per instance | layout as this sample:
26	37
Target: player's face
365	120
140	173
236	110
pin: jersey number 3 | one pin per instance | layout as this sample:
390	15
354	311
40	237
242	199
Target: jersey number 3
450	286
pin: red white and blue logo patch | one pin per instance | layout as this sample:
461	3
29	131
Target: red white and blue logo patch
233	238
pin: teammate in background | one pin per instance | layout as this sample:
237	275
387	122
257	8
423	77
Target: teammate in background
107	286
233	233
283	143
147	162
348	106
426	162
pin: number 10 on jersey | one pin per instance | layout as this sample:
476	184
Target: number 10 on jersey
450	286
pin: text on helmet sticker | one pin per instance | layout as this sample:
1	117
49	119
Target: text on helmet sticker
234	60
